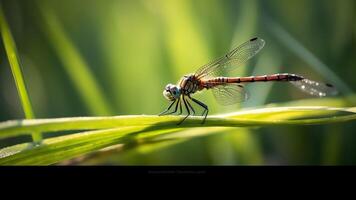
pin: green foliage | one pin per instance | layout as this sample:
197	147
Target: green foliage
14	61
115	57
73	63
144	129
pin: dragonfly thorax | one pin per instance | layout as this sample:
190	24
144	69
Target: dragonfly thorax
189	84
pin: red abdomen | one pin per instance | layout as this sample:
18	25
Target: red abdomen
274	77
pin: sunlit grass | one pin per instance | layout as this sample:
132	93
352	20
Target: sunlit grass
138	129
14	61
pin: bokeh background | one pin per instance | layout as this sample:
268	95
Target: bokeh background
114	57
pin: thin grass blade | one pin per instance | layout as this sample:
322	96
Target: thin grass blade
14	60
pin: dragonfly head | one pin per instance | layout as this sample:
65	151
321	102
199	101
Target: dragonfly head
171	92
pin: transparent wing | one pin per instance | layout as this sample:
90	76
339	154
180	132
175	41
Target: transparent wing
231	60
229	94
315	88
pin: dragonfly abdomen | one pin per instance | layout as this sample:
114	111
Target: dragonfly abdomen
265	78
249	79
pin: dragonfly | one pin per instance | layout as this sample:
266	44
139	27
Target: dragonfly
230	90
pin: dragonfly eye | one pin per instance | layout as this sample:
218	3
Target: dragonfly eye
171	92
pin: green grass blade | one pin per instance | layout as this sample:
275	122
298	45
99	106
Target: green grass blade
14	61
249	118
139	129
76	67
62	148
12	55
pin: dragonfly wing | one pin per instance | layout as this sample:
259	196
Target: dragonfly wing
315	88
229	94
233	59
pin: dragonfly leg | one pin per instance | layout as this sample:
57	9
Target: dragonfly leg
188	111
206	109
191	107
165	111
175	109
180	108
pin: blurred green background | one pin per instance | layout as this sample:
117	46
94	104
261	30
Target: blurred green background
114	57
